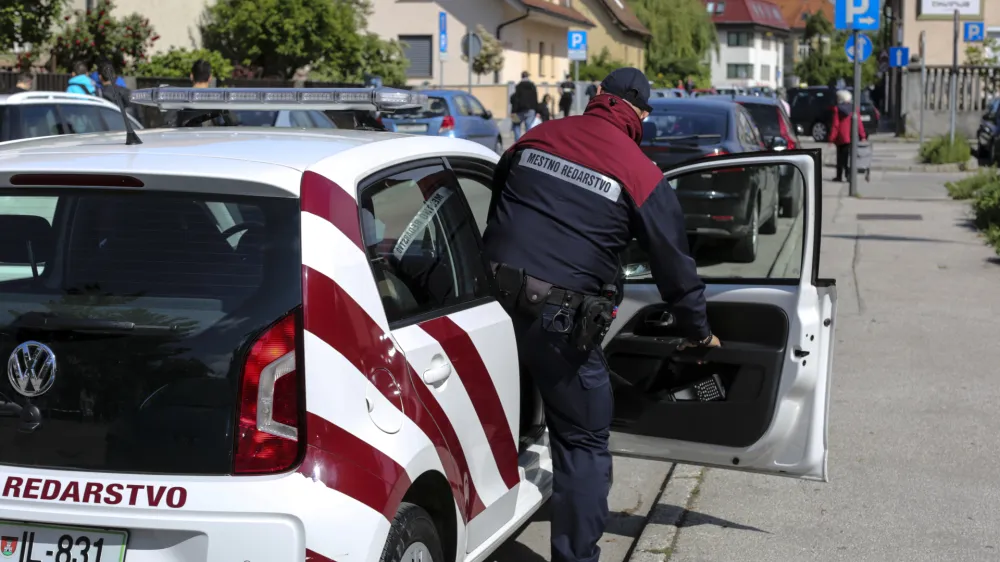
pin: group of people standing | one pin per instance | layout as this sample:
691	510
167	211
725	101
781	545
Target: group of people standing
526	111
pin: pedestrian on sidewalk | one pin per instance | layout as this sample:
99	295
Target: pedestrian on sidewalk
81	83
111	89
543	108
523	105
568	88
24	83
840	132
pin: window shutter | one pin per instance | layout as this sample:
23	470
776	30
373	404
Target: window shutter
418	51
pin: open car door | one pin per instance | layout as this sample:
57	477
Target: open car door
760	402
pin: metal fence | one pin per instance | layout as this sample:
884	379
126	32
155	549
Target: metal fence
977	85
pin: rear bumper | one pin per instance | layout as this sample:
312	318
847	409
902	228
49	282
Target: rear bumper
706	225
221	518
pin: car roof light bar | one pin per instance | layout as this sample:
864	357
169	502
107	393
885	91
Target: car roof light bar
271	99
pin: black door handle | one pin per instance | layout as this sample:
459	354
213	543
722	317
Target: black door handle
800	353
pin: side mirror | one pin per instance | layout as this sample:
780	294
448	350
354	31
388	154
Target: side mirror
777	144
488	114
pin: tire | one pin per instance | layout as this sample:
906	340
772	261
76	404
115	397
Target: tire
498	146
745	249
412	537
771	226
819	131
791	206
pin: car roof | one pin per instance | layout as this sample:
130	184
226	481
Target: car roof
444	93
714	102
26	98
268	155
762	100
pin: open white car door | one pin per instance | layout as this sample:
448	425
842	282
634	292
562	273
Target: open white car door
760	402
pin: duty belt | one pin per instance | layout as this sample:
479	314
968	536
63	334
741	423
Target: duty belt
514	285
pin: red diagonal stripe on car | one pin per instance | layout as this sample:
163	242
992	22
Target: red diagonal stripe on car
333	316
347	464
465	358
328	200
313	557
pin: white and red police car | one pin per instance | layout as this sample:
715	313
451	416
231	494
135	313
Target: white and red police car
275	345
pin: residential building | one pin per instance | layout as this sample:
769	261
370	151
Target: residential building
752	37
935	17
795	13
532	32
618	30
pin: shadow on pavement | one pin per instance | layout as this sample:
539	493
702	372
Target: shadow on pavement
668	514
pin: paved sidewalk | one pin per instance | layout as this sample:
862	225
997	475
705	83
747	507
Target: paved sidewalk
914	428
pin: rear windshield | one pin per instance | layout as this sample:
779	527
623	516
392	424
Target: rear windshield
435	107
766	118
147	302
254	118
687	124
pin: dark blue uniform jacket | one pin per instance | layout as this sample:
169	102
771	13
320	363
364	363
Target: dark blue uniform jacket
571	194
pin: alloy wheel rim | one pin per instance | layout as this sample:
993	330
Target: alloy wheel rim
417	552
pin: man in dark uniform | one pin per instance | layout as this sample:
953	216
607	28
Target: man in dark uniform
567	199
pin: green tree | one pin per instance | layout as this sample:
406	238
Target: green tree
177	63
24	22
597	68
683	37
490	58
827	60
275	38
96	34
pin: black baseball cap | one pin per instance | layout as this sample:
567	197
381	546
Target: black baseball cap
631	85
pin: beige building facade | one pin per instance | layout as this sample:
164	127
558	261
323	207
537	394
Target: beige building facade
175	21
617	29
935	17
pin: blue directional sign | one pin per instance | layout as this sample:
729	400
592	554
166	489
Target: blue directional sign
974	32
862	15
899	56
443	34
865	45
577	42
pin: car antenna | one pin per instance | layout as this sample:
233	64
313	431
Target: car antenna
130	136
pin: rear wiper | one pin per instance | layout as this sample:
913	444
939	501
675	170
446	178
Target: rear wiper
39	321
688	137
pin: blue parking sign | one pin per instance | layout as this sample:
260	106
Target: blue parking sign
974	32
862	15
899	56
443	34
577	44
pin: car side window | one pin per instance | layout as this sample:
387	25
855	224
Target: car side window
477	108
300	119
112	120
40	120
421	242
321	121
753	131
82	118
464	107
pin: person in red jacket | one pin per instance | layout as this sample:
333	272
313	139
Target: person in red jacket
840	131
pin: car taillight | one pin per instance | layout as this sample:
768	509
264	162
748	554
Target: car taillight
718	152
447	124
722	152
268	429
783	130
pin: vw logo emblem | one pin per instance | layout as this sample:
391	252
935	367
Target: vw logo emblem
32	368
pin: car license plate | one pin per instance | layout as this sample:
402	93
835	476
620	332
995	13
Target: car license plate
866	117
32	542
422	128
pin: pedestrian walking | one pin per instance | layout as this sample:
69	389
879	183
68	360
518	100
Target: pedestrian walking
81	83
840	132
568	88
543	108
554	242
524	104
25	80
591	91
110	90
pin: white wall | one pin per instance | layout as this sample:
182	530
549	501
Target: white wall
175	21
755	55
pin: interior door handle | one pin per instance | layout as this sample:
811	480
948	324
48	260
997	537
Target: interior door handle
662	320
437	374
800	353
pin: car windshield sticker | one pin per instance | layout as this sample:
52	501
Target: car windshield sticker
420	221
575	174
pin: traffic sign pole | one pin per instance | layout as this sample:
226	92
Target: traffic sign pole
576	89
953	91
854	116
923	82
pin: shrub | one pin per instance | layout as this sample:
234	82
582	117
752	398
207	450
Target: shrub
96	33
986	206
969	187
177	63
940	150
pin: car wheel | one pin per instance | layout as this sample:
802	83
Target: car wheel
819	132
745	249
771	226
498	146
412	537
791	206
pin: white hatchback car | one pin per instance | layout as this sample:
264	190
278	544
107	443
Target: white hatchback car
281	345
40	114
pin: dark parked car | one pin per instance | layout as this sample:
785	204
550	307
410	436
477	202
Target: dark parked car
732	203
988	135
778	133
812	109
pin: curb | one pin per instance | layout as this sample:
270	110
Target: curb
971	165
659	537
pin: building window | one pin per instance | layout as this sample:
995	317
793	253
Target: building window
742	71
417	49
711	7
765	43
720	7
765	72
739	38
541	58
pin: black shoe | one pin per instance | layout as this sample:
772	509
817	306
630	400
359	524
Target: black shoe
838	179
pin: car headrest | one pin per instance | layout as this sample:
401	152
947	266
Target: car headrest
15	233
